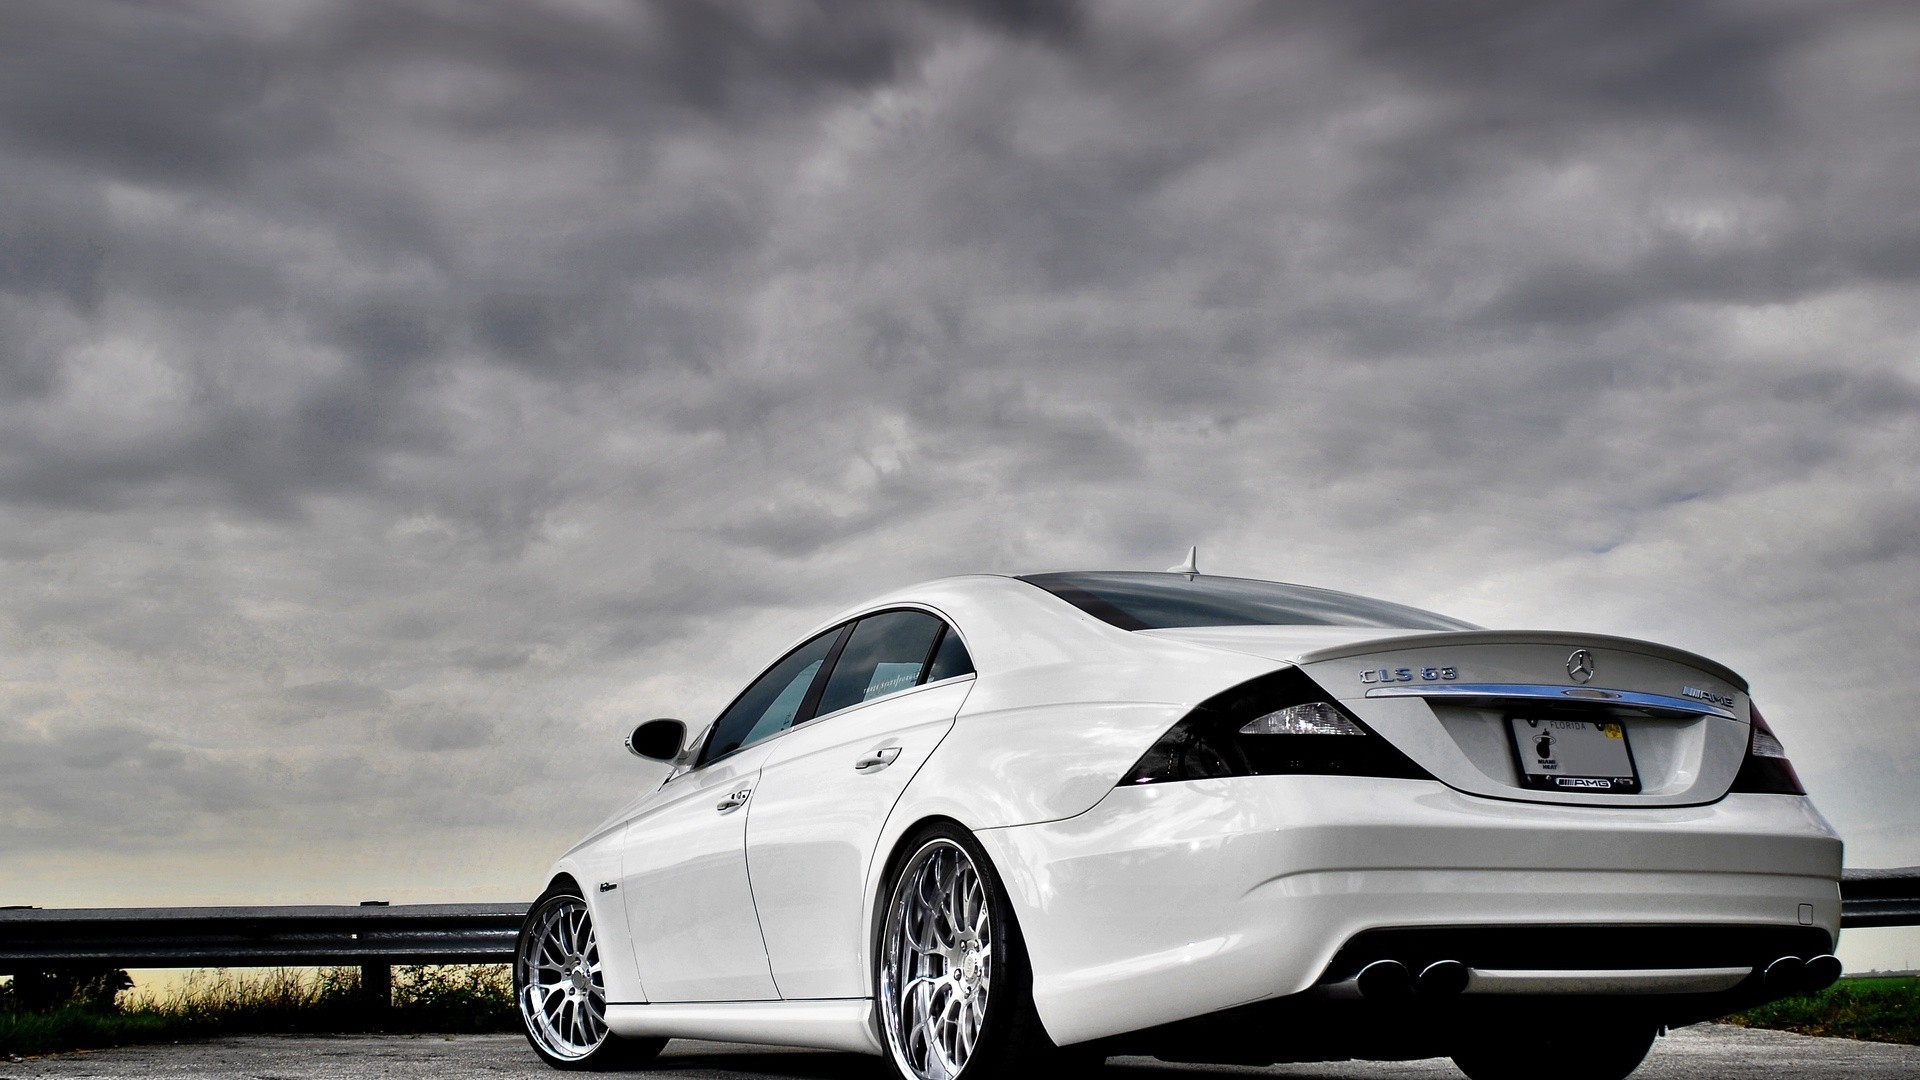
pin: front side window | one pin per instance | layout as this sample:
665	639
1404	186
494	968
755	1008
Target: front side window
886	654
772	703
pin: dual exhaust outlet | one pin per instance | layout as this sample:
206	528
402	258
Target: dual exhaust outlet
1792	975
1392	980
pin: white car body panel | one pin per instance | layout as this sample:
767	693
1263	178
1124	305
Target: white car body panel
815	824
1214	893
1144	905
590	863
689	904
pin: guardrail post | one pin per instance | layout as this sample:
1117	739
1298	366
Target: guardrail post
376	983
376	980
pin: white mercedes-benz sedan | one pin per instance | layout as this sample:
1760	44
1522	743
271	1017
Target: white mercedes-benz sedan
992	822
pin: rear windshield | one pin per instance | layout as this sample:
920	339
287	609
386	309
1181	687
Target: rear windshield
1137	601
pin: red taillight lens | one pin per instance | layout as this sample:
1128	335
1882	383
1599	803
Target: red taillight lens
1766	770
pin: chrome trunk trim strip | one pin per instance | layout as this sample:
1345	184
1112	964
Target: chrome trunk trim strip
1467	693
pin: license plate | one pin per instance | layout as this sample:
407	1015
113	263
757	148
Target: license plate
1574	755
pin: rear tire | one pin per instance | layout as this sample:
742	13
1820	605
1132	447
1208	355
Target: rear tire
953	985
1610	1048
560	992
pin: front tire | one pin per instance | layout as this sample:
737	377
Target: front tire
954	987
560	991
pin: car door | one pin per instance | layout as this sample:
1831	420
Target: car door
827	787
689	903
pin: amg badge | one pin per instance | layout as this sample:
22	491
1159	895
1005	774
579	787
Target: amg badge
1709	696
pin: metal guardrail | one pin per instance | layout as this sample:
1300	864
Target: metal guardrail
375	937
1880	897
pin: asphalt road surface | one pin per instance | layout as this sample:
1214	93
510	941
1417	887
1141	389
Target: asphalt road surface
1705	1052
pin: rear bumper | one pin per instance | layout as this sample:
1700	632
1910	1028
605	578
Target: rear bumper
1170	901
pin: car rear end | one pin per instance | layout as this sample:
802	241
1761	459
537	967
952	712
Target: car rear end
1454	831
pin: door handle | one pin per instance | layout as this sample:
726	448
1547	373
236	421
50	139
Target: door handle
877	760
734	800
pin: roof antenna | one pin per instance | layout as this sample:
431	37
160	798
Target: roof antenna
1191	567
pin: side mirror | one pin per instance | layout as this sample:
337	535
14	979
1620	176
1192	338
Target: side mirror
658	740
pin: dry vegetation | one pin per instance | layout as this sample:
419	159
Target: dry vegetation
468	998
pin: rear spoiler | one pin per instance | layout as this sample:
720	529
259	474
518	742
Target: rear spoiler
1528	637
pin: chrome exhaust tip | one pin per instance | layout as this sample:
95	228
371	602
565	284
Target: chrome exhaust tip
1444	978
1384	980
1820	972
1785	975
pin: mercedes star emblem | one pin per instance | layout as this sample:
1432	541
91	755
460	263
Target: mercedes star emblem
1580	665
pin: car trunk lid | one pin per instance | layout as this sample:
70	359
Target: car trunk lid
1536	716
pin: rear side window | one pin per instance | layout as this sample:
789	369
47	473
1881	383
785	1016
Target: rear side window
949	658
886	654
770	705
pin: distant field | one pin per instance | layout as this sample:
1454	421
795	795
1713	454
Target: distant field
1877	1009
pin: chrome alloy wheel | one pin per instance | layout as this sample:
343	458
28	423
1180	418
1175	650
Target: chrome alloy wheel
563	996
936	974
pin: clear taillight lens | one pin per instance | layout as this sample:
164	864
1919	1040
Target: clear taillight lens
1766	744
1316	718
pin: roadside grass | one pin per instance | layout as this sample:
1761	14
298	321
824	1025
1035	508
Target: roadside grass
457	999
479	998
1875	1009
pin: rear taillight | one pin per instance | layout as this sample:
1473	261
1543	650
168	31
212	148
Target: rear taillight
1766	771
1278	724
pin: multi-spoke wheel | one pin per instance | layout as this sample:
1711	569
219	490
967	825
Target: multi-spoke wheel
953	987
562	995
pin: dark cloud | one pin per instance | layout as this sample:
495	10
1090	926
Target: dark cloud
1712	67
155	91
398	399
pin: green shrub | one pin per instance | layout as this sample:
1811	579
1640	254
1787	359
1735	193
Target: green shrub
77	1028
1881	1010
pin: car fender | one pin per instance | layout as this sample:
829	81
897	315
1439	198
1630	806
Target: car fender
1013	767
593	864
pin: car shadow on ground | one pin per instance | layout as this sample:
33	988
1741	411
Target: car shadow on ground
796	1063
828	1065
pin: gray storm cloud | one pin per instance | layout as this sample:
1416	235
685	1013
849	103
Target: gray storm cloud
398	398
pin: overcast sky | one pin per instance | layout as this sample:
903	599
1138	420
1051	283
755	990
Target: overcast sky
398	399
